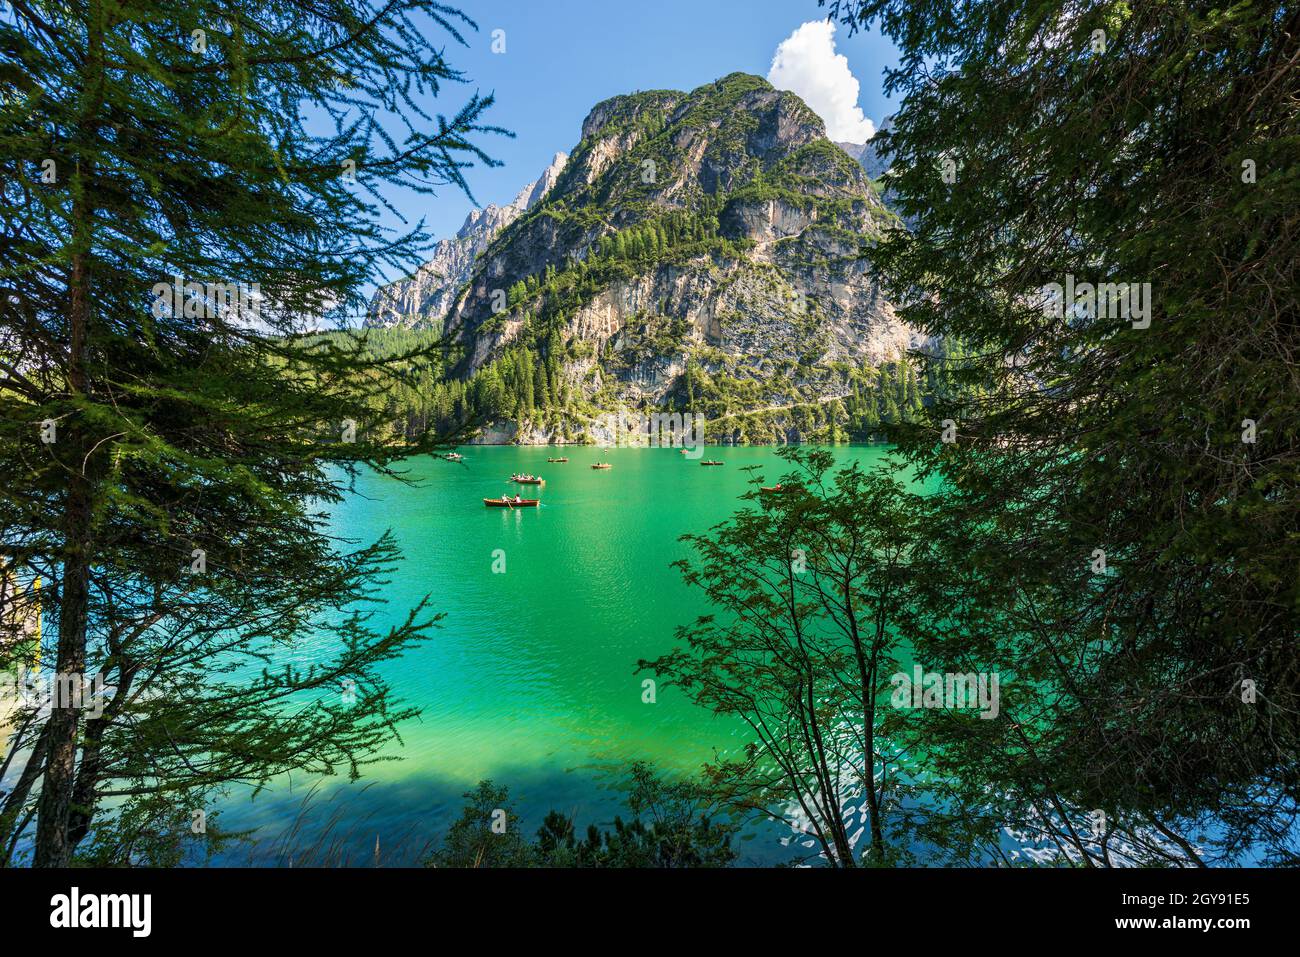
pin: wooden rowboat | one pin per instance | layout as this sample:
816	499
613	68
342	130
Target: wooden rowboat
453	456
521	480
565	459
711	462
511	503
602	465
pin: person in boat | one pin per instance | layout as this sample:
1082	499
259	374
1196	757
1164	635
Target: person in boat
517	498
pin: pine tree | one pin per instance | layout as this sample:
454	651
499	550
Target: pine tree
524	380
164	452
1116	523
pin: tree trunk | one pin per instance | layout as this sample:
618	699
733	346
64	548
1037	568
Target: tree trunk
53	811
11	812
867	680
52	847
85	789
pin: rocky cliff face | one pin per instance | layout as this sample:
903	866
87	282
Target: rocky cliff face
424	298
703	248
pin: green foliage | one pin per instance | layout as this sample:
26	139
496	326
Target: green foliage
810	586
1085	431
486	835
673	827
175	519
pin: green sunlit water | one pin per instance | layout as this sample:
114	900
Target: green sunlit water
530	680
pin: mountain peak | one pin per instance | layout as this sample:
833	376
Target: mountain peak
532	194
427	295
625	107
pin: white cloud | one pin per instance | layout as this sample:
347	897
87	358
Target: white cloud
806	63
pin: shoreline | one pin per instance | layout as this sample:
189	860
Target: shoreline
701	445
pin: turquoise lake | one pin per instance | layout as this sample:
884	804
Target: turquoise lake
530	680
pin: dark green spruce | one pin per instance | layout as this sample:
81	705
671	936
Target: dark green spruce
164	474
1115	522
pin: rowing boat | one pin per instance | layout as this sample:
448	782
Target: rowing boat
526	480
602	465
511	503
710	462
565	459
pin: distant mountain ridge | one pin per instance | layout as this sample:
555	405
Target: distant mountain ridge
870	154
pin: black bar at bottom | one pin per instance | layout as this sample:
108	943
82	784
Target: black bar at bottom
334	907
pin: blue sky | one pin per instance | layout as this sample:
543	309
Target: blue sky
564	56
